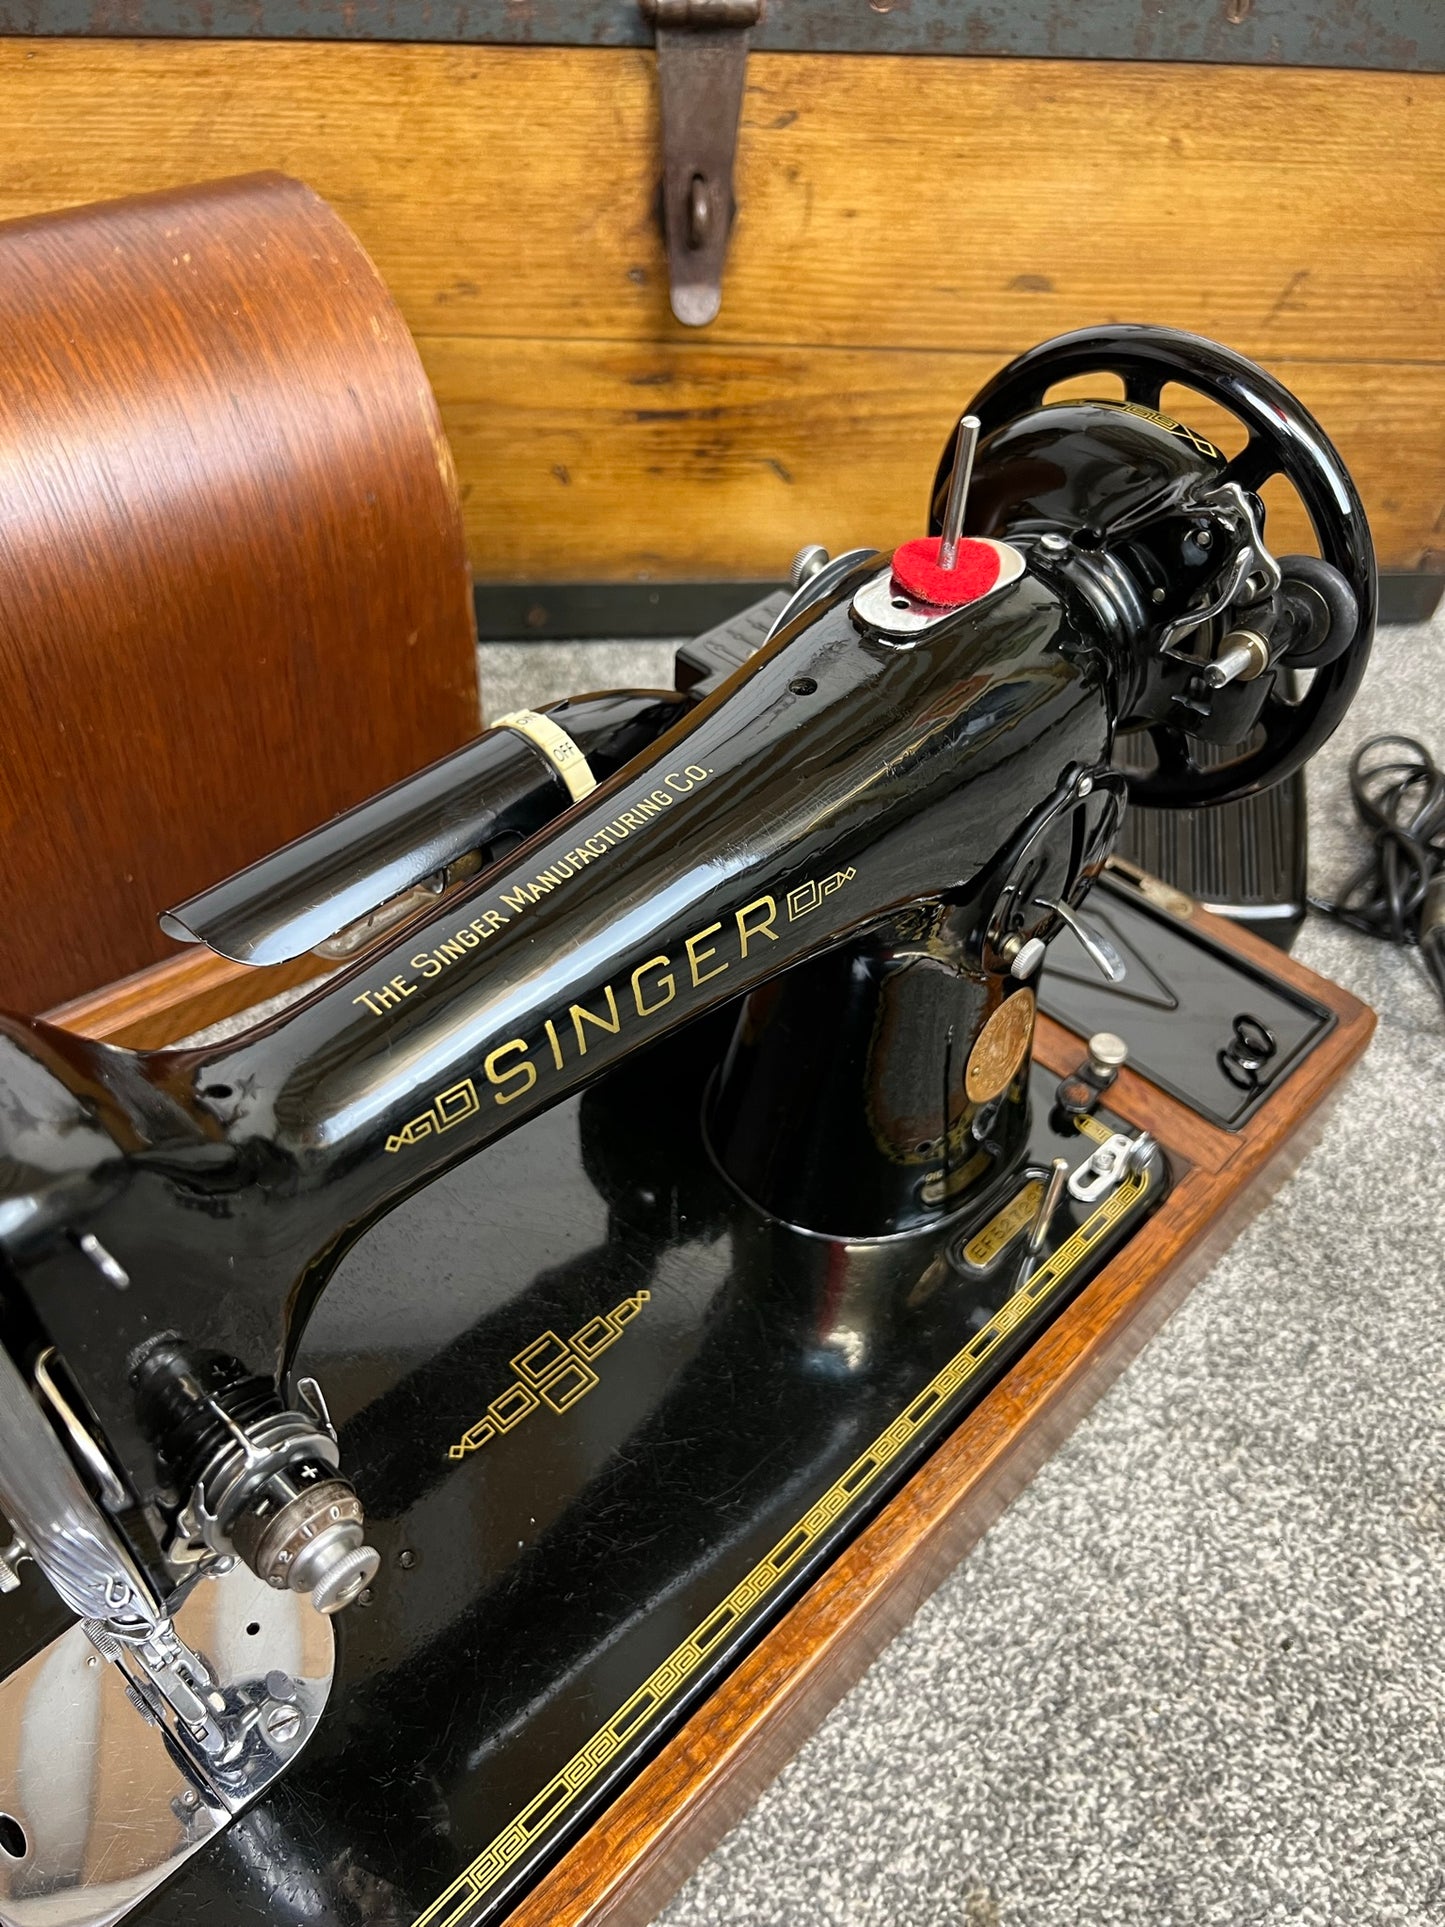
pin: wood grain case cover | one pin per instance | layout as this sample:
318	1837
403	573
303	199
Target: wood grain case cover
233	590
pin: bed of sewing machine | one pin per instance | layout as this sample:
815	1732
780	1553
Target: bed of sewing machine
619	1431
674	1413
721	1206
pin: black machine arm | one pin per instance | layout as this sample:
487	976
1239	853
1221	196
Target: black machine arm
864	839
343	886
838	781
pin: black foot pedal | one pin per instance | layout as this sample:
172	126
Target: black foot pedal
1245	860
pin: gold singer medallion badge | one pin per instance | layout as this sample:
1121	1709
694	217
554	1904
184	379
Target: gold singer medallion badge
1001	1047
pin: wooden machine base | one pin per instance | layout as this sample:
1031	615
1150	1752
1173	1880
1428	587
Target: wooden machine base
706	1774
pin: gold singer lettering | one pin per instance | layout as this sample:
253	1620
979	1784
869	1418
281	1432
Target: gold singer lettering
666	983
611	1022
513	1067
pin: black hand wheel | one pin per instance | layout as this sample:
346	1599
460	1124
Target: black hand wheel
1284	439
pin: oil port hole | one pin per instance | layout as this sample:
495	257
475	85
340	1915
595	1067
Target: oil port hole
12	1837
254	1628
215	1090
802	685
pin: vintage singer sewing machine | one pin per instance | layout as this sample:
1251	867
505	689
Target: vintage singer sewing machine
573	1291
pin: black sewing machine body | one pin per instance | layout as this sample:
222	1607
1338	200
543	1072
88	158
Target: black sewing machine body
294	1137
654	1195
610	1420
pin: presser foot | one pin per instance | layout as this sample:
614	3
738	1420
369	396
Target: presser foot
119	1759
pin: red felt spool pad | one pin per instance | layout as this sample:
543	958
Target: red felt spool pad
916	571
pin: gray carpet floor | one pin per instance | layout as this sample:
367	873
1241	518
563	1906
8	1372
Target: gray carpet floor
1195	1674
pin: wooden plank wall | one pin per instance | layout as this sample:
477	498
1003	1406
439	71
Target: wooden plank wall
906	225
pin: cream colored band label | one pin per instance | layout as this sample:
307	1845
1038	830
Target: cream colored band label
557	746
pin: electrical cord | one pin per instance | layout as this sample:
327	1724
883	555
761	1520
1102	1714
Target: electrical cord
1398	892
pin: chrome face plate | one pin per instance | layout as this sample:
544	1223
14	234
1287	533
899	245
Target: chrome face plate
90	1788
886	609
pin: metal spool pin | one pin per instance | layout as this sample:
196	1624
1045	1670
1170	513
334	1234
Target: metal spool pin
963	453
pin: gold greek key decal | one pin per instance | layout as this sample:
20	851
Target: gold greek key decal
552	1371
1181	429
651	1699
452	1106
807	896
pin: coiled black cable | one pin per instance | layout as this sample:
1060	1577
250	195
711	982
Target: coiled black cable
1398	892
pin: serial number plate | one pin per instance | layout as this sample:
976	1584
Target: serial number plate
1005	1225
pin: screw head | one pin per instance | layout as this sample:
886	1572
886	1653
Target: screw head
1053	543
1141	1149
1108	1051
1030	956
282	1722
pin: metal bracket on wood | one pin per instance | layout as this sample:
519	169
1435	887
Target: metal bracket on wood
702	53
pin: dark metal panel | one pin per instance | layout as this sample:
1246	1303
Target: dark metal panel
591	611
1397	34
1410	598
